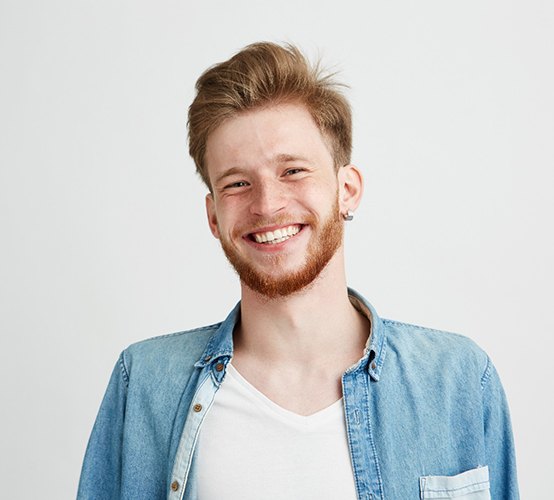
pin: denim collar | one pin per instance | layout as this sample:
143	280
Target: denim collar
220	345
374	354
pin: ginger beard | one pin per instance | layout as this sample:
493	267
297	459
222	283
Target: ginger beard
325	241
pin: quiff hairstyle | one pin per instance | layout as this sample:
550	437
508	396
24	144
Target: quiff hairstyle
264	74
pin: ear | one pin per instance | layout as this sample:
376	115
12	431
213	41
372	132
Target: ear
211	213
351	187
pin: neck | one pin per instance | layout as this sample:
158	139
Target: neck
315	325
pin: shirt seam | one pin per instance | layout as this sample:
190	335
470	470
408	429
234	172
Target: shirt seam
372	444
486	374
215	326
418	327
123	368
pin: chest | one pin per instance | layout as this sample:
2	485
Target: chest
247	439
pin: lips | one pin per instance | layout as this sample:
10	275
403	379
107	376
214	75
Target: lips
276	235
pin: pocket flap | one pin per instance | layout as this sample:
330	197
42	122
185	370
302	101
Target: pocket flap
465	485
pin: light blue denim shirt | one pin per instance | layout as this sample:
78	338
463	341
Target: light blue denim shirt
425	412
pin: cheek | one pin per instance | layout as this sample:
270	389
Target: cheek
226	222
318	197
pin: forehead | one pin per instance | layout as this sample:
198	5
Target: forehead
259	136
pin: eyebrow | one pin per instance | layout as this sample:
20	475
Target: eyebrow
228	173
279	158
284	158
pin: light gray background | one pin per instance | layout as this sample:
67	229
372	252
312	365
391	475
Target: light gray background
104	239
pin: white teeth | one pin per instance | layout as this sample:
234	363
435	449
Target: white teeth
277	236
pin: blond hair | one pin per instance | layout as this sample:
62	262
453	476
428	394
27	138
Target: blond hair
263	74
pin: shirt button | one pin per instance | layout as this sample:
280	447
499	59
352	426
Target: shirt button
373	366
219	367
207	358
174	485
197	407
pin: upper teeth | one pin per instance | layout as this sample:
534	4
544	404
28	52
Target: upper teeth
276	236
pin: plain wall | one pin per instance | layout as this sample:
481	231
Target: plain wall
103	234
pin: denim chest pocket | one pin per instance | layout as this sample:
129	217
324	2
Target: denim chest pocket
470	485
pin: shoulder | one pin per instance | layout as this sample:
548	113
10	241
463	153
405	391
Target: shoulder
434	350
170	353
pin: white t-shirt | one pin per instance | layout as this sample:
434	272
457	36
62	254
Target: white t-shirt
252	449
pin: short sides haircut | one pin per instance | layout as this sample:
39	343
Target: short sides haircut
264	74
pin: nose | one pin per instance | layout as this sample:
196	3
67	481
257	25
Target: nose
268	198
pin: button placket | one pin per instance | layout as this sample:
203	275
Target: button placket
181	467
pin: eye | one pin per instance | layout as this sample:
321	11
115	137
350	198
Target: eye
237	184
292	171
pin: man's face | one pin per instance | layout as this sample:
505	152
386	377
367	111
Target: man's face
275	204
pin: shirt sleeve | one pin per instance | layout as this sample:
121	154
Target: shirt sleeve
499	442
101	471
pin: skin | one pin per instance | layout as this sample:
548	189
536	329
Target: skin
271	168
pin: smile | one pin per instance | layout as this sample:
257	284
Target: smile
276	236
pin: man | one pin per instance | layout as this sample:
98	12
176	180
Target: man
303	392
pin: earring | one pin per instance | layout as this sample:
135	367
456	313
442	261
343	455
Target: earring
348	216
